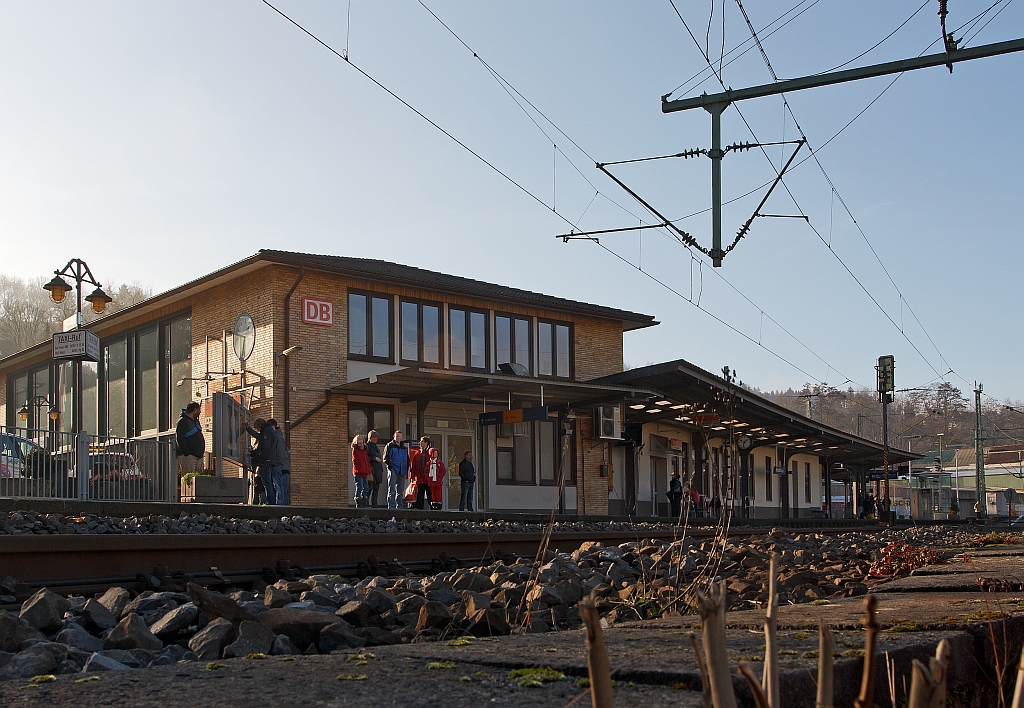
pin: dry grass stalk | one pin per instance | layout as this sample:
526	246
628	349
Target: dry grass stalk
597	657
705	685
712	619
928	683
866	699
1018	692
770	677
825	667
755	685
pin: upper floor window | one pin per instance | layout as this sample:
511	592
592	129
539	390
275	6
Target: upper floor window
369	326
512	342
467	332
421	332
553	349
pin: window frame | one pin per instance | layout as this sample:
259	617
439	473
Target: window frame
469	312
369	409
769	470
441	333
530	333
532	482
807	482
555	324
370	295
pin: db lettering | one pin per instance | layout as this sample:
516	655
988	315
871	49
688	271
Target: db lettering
319	312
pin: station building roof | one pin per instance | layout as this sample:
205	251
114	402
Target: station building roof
693	397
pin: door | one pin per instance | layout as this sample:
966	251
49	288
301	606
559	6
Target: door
455	446
659	485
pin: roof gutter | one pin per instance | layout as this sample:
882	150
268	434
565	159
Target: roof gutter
287	359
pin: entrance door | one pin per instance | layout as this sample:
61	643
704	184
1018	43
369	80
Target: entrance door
659	485
455	448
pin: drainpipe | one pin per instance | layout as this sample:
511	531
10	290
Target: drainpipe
287	359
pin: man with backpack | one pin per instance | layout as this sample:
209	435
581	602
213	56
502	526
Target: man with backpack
188	435
396	460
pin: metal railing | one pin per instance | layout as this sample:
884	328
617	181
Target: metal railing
46	464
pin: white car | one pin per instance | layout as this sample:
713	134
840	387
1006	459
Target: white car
14	451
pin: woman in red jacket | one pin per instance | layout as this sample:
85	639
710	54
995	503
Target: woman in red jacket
361	470
435	471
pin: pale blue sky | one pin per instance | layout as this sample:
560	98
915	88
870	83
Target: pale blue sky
161	140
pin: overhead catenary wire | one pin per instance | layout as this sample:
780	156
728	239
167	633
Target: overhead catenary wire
526	191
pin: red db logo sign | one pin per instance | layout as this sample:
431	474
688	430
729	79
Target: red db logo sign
318	312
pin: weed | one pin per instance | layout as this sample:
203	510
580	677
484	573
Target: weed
465	679
256	655
820	602
214	665
461	641
899	558
352	677
481	674
434	665
852	653
809	654
535	677
87	679
361	656
787	652
583	683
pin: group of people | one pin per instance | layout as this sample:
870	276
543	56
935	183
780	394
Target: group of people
269	457
414	477
700	506
270	463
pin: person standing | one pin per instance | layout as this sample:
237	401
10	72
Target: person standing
285	495
418	473
396	460
276	455
265	436
188	435
376	466
675	495
467	477
360	470
436	471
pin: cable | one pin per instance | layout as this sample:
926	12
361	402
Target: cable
796	203
524	189
878	44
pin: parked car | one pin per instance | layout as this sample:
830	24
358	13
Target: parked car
16	455
113	466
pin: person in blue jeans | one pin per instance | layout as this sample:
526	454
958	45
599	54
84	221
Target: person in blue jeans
396	460
467	479
263	457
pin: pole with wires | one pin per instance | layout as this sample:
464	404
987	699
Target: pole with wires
716	155
981	505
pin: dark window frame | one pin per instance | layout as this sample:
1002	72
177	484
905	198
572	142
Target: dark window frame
441	333
469	312
370	295
807	482
555	324
531	335
369	409
532	482
769	470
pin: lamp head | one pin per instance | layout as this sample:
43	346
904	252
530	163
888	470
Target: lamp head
23	412
53	413
58	288
98	299
291	350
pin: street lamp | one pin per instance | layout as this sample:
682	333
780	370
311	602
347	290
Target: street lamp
37	403
910	473
956	469
77	270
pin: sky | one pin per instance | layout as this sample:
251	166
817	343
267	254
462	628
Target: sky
160	141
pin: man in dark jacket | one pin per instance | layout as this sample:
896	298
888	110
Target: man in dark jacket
376	466
191	444
396	459
276	455
266	440
467	480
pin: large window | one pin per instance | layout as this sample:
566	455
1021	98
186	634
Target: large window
529	453
363	417
66	385
553	349
769	474
421	332
147	381
115	363
178	336
369	326
547	444
90	400
467	333
807	482
16	399
512	342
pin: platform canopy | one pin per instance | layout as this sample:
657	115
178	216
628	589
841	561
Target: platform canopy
426	385
694	398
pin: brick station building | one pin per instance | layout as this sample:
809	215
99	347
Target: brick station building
344	345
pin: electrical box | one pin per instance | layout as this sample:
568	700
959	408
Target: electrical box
609	472
607	423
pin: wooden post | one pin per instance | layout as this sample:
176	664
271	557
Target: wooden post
597	658
712	619
867	684
826	672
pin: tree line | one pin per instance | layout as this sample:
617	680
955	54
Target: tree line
28	316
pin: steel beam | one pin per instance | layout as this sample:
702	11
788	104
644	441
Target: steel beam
839	77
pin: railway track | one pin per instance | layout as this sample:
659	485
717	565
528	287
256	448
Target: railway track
86	563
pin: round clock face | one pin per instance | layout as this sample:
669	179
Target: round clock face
744	442
243	337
